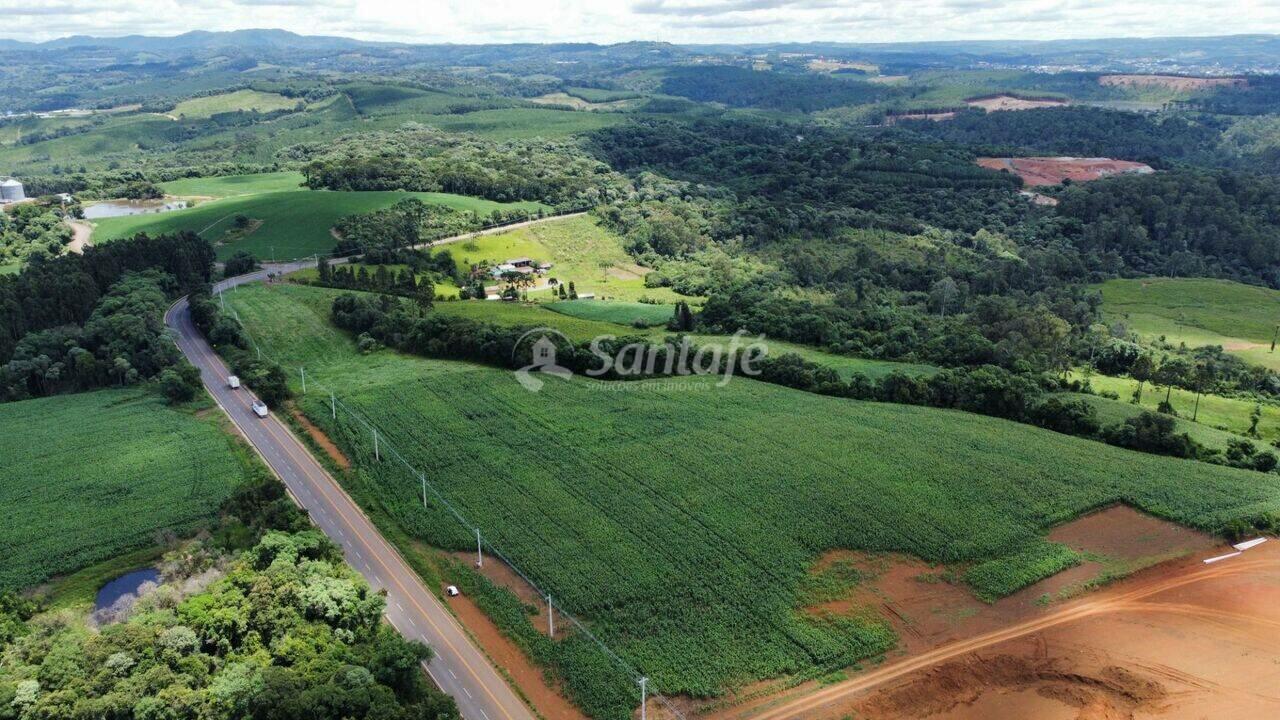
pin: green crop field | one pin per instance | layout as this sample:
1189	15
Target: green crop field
116	135
86	477
1241	318
230	185
209	105
679	519
294	223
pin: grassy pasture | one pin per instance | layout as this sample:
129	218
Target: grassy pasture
295	223
620	312
210	105
581	250
680	519
1222	413
87	477
1241	318
1114	411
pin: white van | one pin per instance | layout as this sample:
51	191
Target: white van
233	382
259	408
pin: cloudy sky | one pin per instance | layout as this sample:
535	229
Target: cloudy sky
473	21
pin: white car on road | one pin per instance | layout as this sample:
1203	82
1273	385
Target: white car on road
233	382
259	408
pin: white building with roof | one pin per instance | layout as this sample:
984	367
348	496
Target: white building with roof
11	191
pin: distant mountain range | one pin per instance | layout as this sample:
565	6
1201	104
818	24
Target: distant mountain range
1224	53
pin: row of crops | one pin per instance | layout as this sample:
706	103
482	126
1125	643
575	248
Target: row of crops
106	471
679	519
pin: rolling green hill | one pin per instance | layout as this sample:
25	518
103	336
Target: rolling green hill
292	224
1241	318
679	519
84	478
209	105
229	185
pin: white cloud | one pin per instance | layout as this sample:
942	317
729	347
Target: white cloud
690	21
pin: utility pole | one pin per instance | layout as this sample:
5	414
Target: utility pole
644	697
333	405
551	618
377	454
479	554
222	300
304	379
424	488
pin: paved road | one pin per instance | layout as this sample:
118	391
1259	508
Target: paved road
459	668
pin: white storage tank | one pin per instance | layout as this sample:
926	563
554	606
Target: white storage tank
11	191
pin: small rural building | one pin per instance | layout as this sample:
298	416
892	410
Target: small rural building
11	191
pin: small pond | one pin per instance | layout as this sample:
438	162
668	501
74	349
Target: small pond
124	585
116	208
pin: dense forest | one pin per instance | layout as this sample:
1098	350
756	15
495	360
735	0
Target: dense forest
80	321
1083	132
428	160
261	618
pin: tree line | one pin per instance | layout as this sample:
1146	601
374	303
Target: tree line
77	322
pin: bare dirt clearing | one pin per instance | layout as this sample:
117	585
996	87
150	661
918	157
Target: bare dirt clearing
1173	82
1041	171
1012	102
1180	639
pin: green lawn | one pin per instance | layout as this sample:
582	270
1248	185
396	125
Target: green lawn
84	478
294	223
680	519
202	107
1241	318
229	185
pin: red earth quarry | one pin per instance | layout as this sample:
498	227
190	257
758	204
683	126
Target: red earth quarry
1041	171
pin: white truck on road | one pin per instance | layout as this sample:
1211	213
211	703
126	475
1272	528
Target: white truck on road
233	382
259	408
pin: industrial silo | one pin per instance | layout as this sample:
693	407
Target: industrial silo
11	191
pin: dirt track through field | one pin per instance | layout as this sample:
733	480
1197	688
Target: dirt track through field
1127	599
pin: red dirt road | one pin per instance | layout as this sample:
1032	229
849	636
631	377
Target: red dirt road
1203	634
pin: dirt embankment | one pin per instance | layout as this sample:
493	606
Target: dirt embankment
1177	639
992	103
1041	171
317	435
532	681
